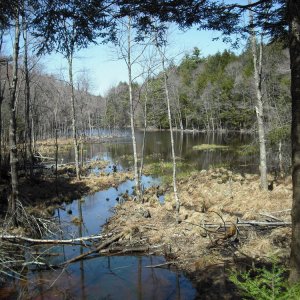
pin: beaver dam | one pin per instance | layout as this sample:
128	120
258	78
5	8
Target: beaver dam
105	245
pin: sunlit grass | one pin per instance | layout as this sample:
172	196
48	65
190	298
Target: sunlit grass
164	169
210	147
242	150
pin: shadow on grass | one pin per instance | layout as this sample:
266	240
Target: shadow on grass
49	191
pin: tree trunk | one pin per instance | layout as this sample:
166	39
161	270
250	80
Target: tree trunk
145	127
12	126
280	162
2	89
294	26
257	64
74	128
171	130
129	67
28	148
90	125
1	100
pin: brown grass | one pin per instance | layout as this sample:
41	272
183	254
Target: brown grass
213	196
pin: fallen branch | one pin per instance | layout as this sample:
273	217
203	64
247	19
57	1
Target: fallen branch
258	223
271	217
100	247
247	224
40	156
75	241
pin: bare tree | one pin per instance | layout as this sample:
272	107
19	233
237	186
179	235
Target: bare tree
131	57
257	64
166	88
14	197
3	63
28	140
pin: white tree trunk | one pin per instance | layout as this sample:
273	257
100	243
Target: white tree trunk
132	124
257	63
74	128
177	201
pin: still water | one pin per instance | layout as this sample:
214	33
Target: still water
157	146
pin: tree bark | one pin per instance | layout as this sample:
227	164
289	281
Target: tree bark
257	64
12	126
294	43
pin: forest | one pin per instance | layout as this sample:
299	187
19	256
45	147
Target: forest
193	160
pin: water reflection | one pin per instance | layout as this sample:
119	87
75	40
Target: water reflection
116	277
157	146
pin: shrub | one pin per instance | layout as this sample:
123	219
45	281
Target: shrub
265	284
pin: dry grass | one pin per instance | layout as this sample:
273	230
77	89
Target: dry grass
214	196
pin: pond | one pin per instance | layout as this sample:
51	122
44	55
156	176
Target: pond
157	147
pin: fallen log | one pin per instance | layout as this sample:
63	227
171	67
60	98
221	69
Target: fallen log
75	241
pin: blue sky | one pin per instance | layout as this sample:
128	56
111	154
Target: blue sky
106	71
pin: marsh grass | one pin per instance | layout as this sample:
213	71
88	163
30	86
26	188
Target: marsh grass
164	170
210	147
242	150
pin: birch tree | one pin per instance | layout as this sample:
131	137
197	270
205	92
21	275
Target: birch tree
161	52
131	52
257	64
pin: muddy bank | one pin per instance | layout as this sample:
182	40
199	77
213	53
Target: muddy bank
224	218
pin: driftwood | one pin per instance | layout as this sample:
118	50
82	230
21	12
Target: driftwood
75	241
100	247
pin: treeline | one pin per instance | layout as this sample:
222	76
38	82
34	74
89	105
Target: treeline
49	111
213	93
